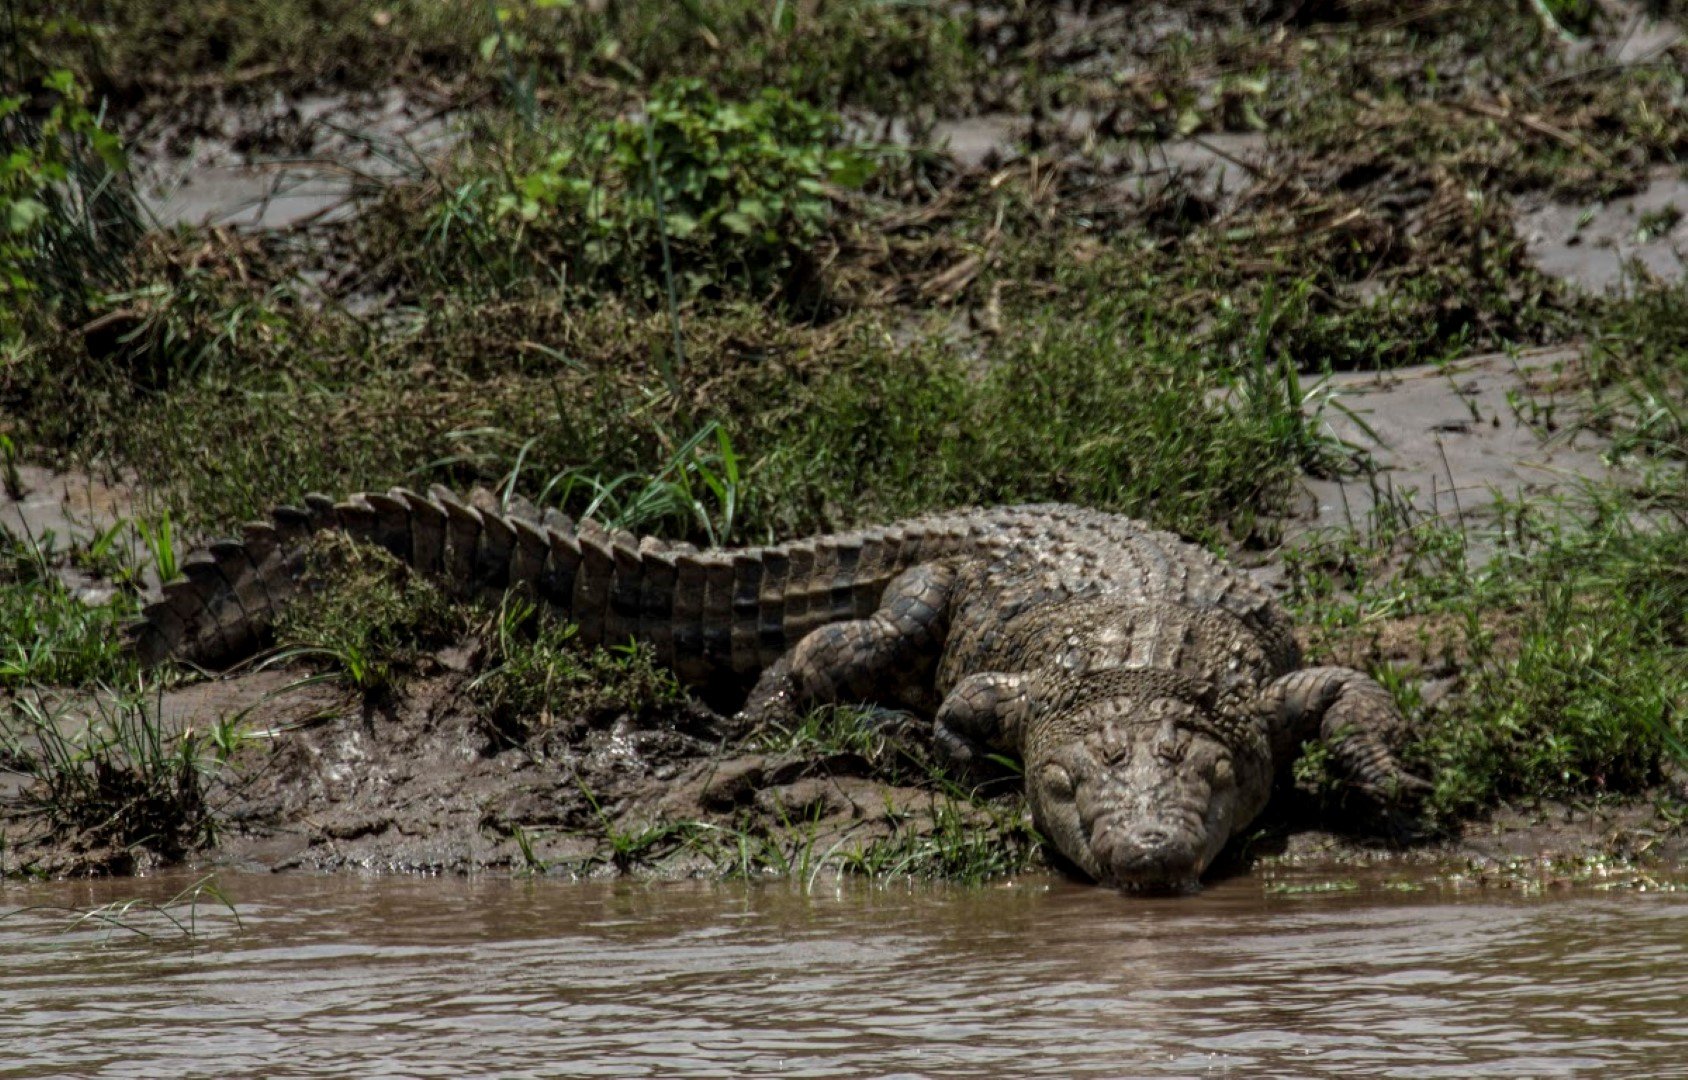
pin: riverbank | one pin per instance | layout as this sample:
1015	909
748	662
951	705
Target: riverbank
1382	299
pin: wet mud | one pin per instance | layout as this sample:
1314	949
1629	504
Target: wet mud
418	784
1462	445
286	162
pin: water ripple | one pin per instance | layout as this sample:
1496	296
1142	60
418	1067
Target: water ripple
449	978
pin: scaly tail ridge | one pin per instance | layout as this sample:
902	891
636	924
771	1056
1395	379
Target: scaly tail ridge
709	614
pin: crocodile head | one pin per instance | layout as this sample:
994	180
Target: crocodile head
1142	788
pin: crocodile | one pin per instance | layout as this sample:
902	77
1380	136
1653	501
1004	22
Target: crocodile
1153	694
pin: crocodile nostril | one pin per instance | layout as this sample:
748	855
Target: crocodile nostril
1152	837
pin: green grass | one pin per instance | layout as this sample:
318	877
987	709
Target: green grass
176	916
1587	698
538	684
864	52
1639	370
49	636
966	840
1570	647
1095	410
955	836
371	619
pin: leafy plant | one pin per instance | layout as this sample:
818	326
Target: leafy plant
66	213
739	187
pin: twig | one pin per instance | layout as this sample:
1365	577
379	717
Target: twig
1539	126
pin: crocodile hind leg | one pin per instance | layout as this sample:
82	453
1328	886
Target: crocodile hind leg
1358	721
886	659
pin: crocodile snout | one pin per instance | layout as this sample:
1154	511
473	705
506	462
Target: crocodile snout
1147	858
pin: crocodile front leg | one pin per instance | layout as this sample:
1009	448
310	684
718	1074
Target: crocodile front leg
984	713
1355	717
885	659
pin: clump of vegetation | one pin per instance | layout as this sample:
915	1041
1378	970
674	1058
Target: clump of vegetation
696	194
831	730
866	53
1570	648
117	780
1584	693
537	682
370	617
1638	368
66	212
48	635
372	620
966	840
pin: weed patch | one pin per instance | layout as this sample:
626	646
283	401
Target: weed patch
67	215
1570	648
1639	373
50	637
117	780
861	52
537	684
698	194
966	840
1588	698
370	617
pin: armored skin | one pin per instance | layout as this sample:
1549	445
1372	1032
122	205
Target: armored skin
1153	693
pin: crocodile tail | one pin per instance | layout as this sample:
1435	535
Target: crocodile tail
711	615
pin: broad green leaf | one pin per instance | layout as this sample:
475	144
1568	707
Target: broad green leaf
23	215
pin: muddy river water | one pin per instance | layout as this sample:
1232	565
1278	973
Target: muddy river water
348	976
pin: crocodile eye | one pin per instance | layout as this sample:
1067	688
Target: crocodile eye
1057	781
1111	746
1171	752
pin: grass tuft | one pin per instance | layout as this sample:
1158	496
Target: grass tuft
536	679
118	779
